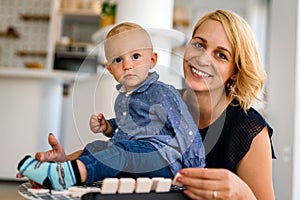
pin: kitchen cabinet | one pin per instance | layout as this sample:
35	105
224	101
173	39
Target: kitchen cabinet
73	26
30	107
77	25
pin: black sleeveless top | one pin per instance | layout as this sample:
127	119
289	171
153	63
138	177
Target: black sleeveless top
228	139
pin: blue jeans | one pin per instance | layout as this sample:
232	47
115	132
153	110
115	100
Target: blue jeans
130	158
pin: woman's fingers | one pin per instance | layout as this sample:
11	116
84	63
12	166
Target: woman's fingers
209	183
204	173
56	154
19	175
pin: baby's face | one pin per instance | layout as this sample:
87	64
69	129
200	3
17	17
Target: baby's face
126	42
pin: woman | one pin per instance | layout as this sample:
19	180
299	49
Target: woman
224	77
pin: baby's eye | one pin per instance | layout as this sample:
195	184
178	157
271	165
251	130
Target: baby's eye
136	56
117	60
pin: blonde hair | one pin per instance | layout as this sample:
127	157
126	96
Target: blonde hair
250	75
126	26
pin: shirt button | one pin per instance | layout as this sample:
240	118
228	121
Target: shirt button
191	133
124	113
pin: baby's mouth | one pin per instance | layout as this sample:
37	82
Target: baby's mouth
129	75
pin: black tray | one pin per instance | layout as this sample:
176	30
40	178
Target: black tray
172	195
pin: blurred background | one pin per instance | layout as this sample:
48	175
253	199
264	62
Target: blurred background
52	76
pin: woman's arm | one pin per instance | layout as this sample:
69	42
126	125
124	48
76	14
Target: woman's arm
74	155
56	154
256	167
253	179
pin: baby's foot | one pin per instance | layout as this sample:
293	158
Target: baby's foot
57	176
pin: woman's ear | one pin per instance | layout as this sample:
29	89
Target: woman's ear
234	74
233	77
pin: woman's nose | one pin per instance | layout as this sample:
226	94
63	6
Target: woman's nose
203	58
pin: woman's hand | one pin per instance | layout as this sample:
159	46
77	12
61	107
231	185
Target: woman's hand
56	154
203	183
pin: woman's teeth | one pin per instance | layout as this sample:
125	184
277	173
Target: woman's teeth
200	73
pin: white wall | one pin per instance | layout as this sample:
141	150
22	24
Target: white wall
89	96
296	156
281	108
30	109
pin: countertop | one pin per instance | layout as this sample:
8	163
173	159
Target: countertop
60	75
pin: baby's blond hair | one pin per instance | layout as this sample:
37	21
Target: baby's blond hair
124	26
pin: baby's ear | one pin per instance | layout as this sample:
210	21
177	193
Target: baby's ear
107	66
153	59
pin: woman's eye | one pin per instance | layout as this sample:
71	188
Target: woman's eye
198	45
136	56
222	56
117	60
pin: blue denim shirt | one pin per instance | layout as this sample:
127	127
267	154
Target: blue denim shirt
155	112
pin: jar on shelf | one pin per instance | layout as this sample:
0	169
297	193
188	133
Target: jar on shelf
95	5
71	4
108	13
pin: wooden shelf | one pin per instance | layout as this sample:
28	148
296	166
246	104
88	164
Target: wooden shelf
31	53
35	17
10	32
79	12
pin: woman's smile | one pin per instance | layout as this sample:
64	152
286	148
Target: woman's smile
199	73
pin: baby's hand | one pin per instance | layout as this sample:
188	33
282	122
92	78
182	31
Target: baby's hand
98	123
